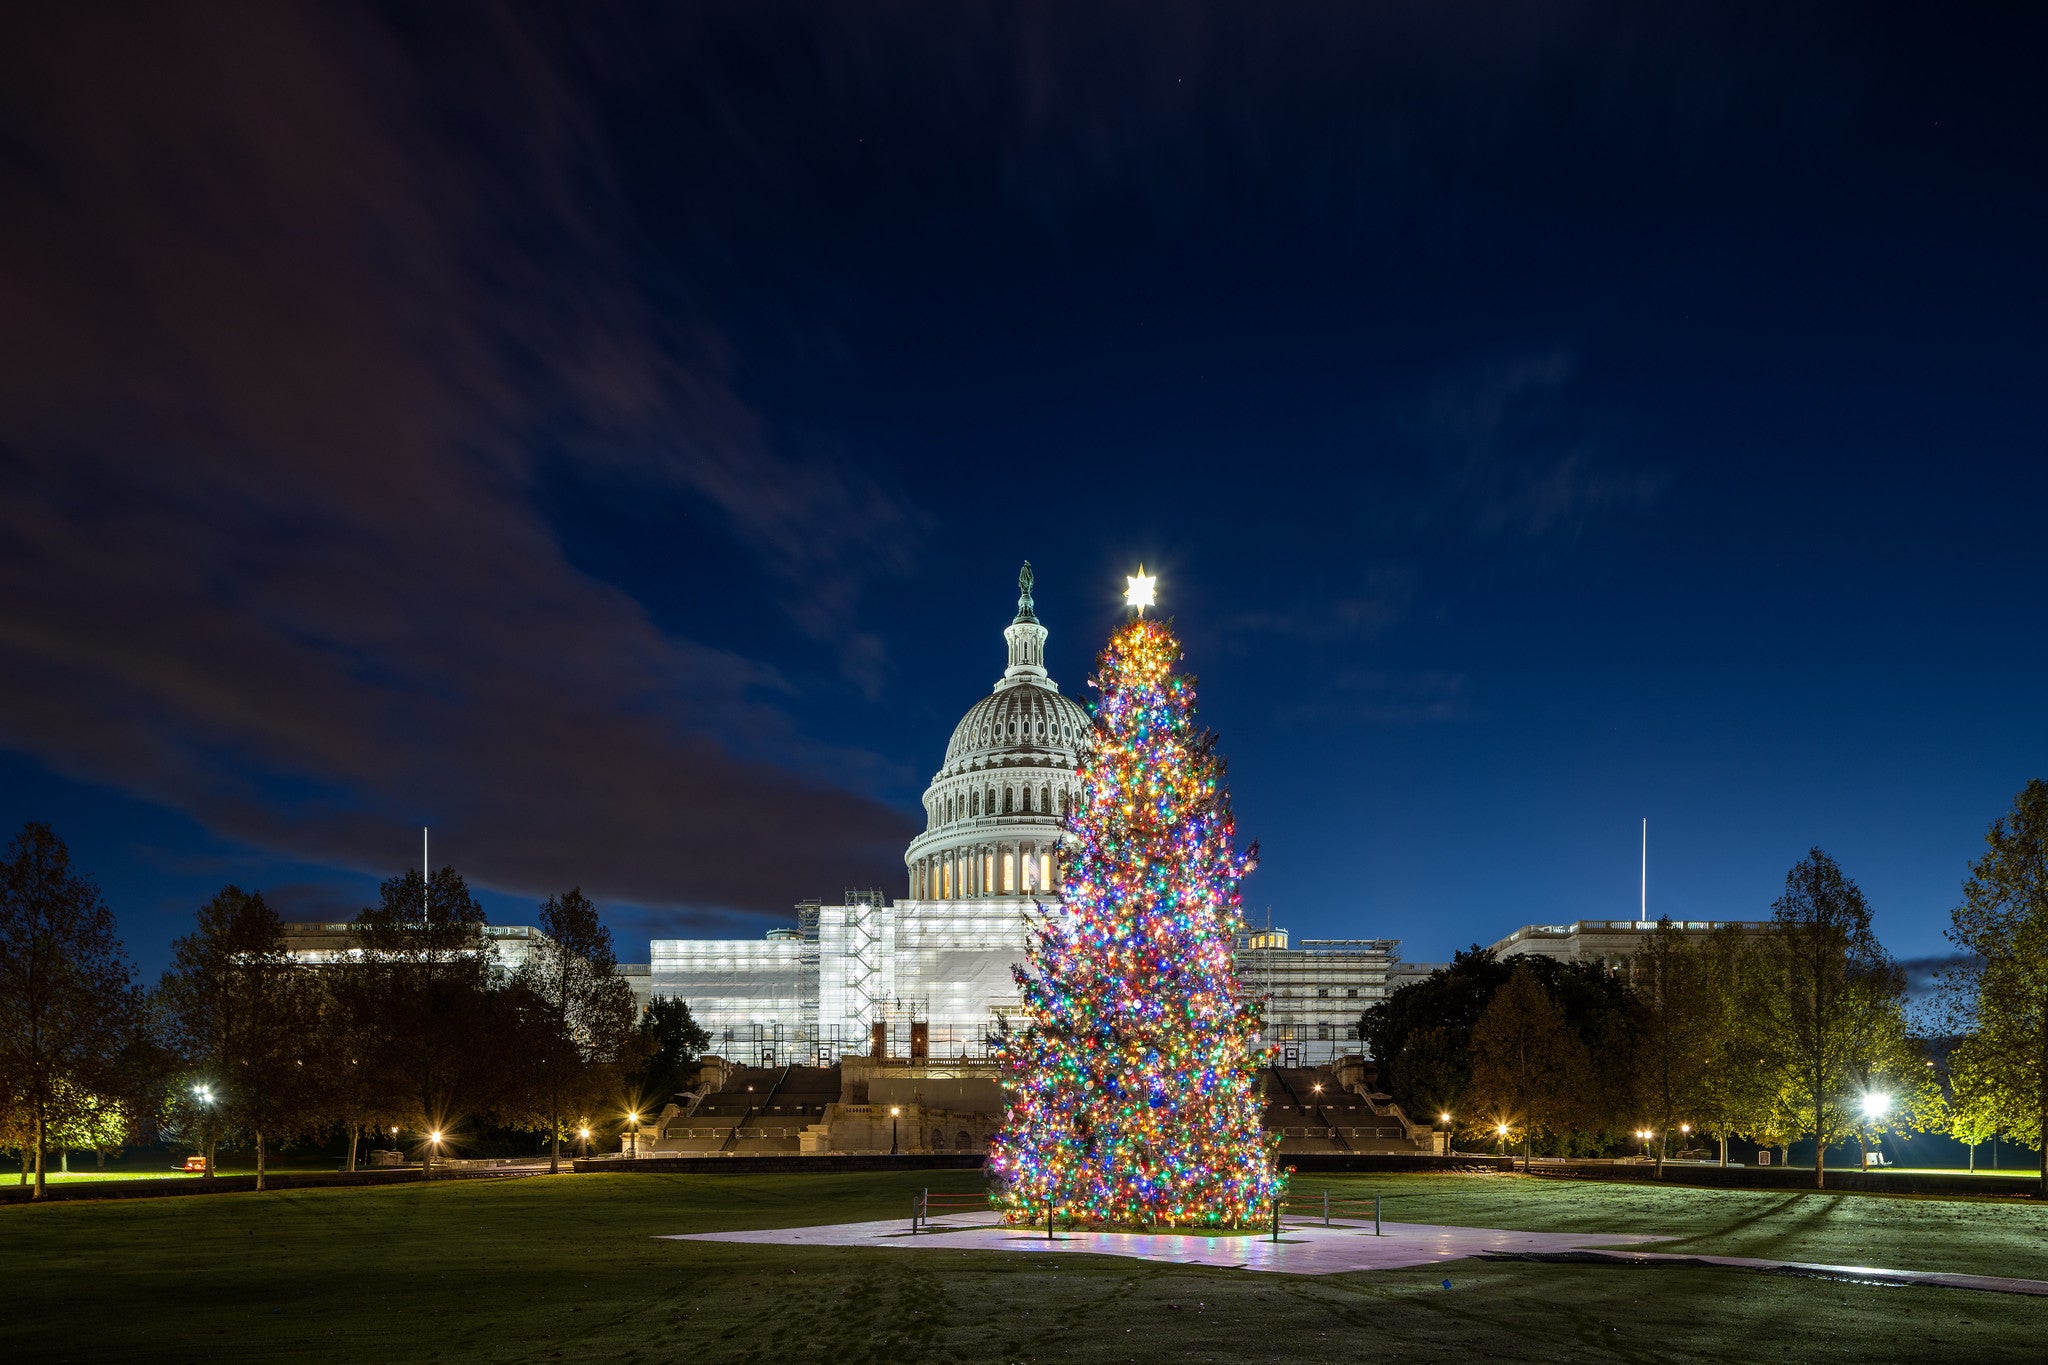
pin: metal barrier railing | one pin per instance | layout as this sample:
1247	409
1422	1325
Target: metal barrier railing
1329	1205
946	1202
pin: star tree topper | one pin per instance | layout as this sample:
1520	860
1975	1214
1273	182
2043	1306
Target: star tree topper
1138	590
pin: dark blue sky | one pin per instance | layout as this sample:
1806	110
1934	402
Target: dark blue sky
612	441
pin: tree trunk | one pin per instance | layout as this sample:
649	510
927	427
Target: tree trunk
259	1160
99	1158
1662	1134
427	1162
64	1160
1724	1149
554	1124
2044	1151
212	1144
1525	1151
42	1156
1862	1152
355	1135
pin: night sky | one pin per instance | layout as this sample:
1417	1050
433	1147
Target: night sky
610	437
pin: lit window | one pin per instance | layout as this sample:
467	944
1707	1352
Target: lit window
1009	871
1045	870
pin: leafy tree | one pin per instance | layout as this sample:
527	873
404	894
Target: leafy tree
351	1092
1436	1070
430	972
669	1041
1433	1076
1682	1013
1743	1089
68	1006
96	1123
1831	983
1892	1078
242	1015
1997	997
1447	1003
1529	1070
578	1012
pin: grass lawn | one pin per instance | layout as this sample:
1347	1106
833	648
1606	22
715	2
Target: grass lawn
567	1268
84	1170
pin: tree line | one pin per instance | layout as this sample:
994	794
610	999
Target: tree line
1802	1030
422	1030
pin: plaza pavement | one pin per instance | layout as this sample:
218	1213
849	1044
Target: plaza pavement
1344	1245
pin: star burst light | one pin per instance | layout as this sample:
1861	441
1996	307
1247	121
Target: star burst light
1138	590
1133	1091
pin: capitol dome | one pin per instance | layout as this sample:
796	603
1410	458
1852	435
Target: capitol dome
994	810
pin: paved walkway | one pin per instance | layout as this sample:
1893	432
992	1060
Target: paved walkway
1312	1249
1301	1250
1852	1274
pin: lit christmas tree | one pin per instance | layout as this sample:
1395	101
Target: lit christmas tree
1133	1093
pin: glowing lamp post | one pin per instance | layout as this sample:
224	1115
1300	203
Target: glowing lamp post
204	1095
582	1142
894	1114
634	1119
1875	1107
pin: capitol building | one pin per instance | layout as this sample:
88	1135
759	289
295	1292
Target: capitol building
929	975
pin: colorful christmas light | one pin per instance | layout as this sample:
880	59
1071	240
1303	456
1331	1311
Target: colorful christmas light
1133	1093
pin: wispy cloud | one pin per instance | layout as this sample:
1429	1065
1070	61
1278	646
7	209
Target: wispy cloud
287	352
1505	455
1384	596
1376	697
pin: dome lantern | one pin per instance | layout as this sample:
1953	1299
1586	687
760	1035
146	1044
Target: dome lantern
1027	639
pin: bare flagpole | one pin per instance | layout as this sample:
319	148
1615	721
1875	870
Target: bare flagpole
1643	913
425	874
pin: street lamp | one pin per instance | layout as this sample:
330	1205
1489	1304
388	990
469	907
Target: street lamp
1501	1130
582	1142
894	1113
204	1094
1875	1107
634	1119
